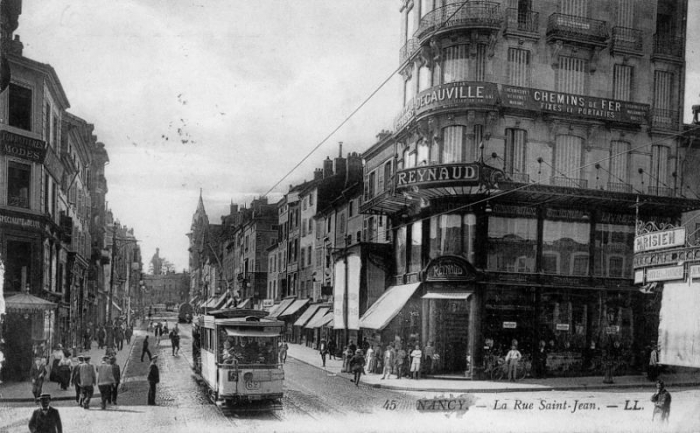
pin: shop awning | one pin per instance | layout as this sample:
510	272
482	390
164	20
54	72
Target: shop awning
308	314
315	321
296	306
282	306
116	306
233	332
219	303
24	302
327	320
244	303
387	306
447	295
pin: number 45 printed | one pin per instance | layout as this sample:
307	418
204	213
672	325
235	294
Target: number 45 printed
389	404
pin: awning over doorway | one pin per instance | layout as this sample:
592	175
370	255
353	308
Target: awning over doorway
447	295
282	306
387	306
25	303
304	318
317	318
296	306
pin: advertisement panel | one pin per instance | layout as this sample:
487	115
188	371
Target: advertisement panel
679	325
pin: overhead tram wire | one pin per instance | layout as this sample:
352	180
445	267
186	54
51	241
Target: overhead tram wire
349	116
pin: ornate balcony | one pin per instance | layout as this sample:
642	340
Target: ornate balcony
522	23
664	119
569	182
469	15
661	191
668	48
626	41
582	30
408	50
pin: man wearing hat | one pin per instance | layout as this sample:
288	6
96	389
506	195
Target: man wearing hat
153	379
37	374
662	403
105	381
88	377
75	380
45	419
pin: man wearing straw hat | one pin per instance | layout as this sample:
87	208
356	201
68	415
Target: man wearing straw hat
45	419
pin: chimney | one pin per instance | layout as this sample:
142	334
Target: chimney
327	167
234	208
354	169
340	149
318	174
340	166
383	134
16	46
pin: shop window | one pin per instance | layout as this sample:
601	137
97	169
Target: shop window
401	250
18	184
550	263
17	265
20	107
614	247
415	264
579	264
512	244
615	266
568	240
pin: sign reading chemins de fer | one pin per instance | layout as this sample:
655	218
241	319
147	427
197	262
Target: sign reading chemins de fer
19	146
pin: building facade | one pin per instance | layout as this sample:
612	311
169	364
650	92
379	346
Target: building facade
529	133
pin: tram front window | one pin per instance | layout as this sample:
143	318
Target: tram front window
248	350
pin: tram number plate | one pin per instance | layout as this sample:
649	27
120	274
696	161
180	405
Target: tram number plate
251	385
232	376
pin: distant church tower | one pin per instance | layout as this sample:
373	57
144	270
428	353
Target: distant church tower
157	263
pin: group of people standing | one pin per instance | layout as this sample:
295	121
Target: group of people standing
107	377
108	335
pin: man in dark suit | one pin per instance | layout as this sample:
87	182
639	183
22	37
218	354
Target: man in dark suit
153	379
45	419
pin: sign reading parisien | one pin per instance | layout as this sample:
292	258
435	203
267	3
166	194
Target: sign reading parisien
658	240
23	147
437	174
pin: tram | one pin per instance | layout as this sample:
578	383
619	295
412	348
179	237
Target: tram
238	356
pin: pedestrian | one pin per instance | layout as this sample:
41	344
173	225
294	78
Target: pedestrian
145	350
63	373
512	359
46	418
105	381
347	356
388	361
101	336
176	344
119	338
540	360
116	372
153	379
662	403
416	357
400	362
283	347
159	333
429	352
357	366
332	347
75	380
323	350
88	378
352	347
87	340
371	360
653	367
37	373
365	345
56	357
128	333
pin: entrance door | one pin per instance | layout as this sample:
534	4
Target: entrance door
452	334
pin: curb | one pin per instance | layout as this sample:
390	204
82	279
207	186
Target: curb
121	388
541	388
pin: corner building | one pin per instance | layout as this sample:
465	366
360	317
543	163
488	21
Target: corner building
532	135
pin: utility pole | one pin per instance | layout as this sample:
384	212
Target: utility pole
346	296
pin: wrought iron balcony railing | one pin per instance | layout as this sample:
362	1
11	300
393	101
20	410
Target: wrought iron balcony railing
619	187
576	28
627	40
473	14
664	119
522	21
408	50
661	191
569	182
670	46
518	177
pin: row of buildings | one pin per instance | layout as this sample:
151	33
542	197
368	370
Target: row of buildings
66	264
531	140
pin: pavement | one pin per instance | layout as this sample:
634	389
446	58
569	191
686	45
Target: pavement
126	358
457	384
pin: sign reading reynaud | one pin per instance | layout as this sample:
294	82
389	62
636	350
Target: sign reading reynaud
23	147
661	239
467	173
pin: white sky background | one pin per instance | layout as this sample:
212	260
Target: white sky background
251	85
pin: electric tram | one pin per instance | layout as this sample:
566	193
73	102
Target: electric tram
238	356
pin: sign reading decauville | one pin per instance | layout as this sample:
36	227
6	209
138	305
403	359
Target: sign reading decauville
661	239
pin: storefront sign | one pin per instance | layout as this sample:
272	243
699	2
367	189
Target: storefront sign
20	221
449	268
610	330
659	240
575	105
668	257
565	214
667	273
267	303
461	94
562	327
19	146
53	164
638	277
694	271
509	325
437	175
516	211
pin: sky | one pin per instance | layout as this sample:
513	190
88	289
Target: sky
226	96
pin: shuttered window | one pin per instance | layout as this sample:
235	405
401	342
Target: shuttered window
625	13
619	161
567	156
518	67
659	166
622	82
663	90
480	63
425	7
571	75
578	8
424	76
472	153
453	144
409	90
455	64
515	151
